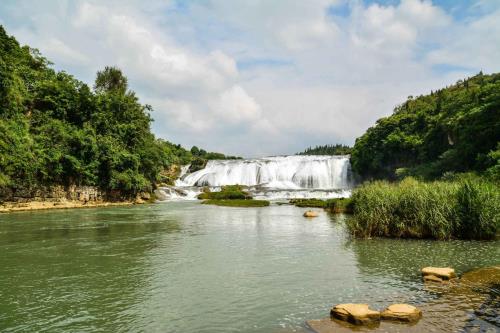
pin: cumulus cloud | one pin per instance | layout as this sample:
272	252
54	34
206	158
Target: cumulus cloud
324	70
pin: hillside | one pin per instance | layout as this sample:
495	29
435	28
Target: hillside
56	130
337	149
455	129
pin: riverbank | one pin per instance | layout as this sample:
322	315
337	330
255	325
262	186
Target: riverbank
59	197
8	207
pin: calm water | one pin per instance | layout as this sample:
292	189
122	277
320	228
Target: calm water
186	267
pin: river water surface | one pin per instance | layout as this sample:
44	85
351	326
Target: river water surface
187	267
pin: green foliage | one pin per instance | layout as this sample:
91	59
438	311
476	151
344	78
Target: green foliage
337	149
335	205
339	205
229	192
56	130
463	208
455	129
237	202
316	203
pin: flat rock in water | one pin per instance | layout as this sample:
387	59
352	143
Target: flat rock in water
444	273
432	278
311	213
401	312
358	314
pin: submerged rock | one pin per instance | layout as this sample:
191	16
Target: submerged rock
442	273
358	314
401	312
311	213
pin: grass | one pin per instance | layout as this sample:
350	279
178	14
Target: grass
337	205
229	192
237	202
465	209
316	203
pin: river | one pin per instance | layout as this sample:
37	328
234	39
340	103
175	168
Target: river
186	267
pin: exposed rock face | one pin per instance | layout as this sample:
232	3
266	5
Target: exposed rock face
358	314
311	213
441	273
401	312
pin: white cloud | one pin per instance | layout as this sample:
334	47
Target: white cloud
321	78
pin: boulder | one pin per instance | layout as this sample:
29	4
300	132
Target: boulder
401	312
358	314
311	213
444	273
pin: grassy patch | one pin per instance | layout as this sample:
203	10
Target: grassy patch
229	192
339	205
317	203
467	209
237	202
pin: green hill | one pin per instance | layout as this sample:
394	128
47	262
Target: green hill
455	129
56	130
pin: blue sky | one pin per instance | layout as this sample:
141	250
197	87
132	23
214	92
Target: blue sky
267	77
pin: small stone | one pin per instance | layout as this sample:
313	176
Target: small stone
358	314
401	312
311	213
445	273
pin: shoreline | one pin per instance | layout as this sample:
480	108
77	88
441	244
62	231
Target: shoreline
10	207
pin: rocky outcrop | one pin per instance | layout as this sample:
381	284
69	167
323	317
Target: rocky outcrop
311	213
47	197
438	274
401	312
358	314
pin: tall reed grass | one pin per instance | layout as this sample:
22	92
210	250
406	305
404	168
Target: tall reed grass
465	208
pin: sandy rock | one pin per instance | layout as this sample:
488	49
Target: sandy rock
358	314
311	213
444	273
432	278
401	312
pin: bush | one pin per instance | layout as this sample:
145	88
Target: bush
440	210
229	192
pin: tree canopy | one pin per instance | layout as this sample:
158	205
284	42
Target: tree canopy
337	149
56	130
455	129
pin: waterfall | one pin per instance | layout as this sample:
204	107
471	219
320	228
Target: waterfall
281	172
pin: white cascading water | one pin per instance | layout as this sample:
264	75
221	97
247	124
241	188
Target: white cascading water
280	177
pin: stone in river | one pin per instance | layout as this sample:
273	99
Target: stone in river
358	314
444	273
401	312
311	213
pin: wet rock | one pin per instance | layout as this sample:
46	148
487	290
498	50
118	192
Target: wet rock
443	273
401	312
311	213
358	314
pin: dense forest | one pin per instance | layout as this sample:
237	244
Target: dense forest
56	130
337	149
452	130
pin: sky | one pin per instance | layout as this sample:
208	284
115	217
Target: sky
265	77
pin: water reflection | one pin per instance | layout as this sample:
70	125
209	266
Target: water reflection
186	267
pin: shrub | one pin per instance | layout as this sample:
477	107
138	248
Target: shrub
229	192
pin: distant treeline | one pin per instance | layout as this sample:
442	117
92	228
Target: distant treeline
56	130
451	130
337	149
